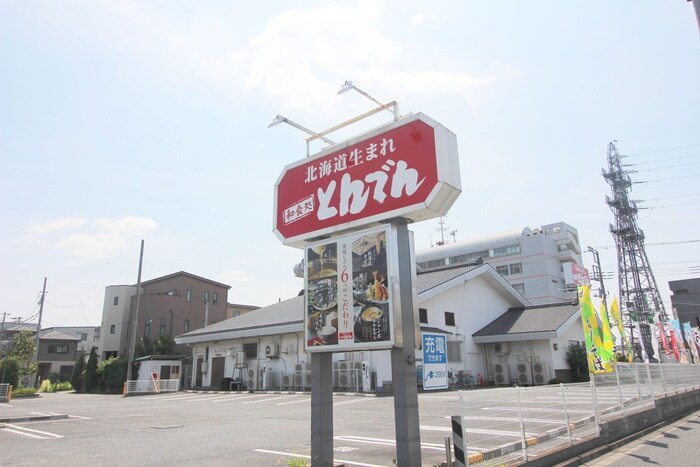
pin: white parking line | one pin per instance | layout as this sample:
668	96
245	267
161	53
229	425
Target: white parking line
270	399
352	401
298	401
302	456
20	430
238	398
386	442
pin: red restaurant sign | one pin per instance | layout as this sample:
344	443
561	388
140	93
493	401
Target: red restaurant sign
408	169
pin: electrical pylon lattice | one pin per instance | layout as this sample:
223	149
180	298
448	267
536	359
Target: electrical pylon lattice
640	303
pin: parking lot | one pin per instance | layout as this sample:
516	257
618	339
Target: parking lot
209	429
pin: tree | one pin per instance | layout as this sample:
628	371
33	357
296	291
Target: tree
77	379
577	359
24	349
92	379
113	372
9	371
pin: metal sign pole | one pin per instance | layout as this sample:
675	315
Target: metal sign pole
403	366
322	409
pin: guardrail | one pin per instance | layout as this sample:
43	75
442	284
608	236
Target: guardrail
515	425
5	392
150	386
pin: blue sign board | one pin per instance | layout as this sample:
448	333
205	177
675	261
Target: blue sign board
434	361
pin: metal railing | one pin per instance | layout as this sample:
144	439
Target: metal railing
513	425
5	392
151	386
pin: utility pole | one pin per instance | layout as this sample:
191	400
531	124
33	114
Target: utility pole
132	347
38	327
2	339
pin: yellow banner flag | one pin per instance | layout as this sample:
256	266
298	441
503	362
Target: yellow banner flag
594	344
607	337
617	318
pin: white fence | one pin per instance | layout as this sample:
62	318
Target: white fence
515	425
151	386
5	392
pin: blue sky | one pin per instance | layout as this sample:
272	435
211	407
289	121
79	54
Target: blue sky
124	120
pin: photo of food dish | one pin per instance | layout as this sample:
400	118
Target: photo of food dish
323	294
372	323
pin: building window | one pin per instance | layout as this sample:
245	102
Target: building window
187	325
506	250
516	268
58	349
449	318
161	332
206	297
189	295
502	270
113	329
82	336
147	328
436	263
215	298
423	315
520	288
251	350
116	300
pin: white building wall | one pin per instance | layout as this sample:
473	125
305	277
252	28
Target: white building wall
573	334
542	276
475	304
117	316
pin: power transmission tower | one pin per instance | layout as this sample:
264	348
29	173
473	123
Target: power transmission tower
640	302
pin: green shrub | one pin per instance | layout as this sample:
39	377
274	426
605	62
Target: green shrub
48	386
9	367
92	379
45	386
113	373
577	359
23	392
77	379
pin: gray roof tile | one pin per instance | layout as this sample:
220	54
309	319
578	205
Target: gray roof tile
543	318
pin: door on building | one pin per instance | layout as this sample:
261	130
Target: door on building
217	370
198	376
165	372
43	371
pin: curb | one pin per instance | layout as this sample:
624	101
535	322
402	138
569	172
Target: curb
32	419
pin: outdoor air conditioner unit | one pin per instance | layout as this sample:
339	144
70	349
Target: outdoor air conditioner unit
272	350
540	373
252	380
287	381
344	374
501	347
501	374
524	374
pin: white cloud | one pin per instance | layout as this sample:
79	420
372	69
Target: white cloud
302	58
103	238
418	18
65	223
